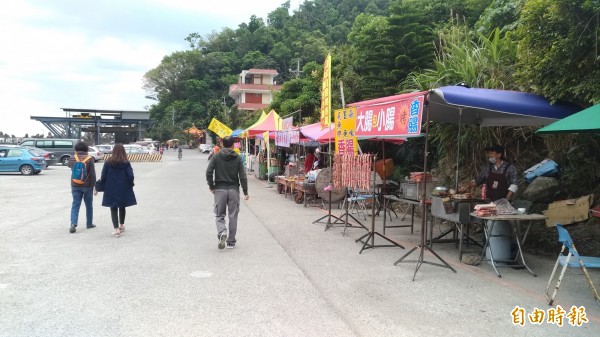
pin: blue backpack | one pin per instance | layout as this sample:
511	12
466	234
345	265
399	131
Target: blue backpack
79	174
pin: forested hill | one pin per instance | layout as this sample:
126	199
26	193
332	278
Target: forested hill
193	82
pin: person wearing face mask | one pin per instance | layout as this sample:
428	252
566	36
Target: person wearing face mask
499	175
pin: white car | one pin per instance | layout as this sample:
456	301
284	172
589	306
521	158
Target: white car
95	153
205	148
105	148
131	148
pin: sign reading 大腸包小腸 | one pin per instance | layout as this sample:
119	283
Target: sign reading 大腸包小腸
395	119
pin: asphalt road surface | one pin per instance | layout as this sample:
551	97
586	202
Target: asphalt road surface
287	276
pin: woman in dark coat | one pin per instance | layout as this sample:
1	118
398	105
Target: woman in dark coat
117	175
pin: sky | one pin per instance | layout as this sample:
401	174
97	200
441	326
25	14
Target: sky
93	54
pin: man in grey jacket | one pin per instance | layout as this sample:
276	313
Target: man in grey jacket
225	174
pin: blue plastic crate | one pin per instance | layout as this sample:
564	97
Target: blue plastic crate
546	168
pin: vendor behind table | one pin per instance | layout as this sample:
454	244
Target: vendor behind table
499	176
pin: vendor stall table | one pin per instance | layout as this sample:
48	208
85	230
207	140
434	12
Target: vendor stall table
515	223
412	203
308	190
459	215
281	185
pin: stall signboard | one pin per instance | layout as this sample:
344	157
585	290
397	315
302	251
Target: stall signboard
345	131
288	123
219	128
295	138
283	138
326	94
393	119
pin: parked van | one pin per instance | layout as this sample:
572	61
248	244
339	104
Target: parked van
62	148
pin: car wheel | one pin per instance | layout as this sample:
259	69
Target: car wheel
26	170
65	160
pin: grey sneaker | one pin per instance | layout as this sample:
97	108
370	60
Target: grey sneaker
222	239
230	245
73	228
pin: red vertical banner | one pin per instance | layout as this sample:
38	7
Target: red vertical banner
326	94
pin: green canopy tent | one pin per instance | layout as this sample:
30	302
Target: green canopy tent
585	121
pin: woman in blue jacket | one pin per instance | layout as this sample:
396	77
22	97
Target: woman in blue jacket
117	176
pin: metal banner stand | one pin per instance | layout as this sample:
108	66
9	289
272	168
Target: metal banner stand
338	220
371	234
423	246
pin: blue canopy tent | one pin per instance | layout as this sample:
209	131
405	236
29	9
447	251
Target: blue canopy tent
492	107
236	133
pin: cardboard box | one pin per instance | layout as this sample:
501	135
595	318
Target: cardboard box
566	212
387	166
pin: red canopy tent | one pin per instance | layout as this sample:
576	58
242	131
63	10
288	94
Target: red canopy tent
271	123
316	133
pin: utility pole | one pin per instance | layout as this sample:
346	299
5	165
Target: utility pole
296	72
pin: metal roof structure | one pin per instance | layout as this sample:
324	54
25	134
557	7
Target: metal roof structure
94	120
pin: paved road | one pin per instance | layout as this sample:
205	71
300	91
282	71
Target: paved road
287	277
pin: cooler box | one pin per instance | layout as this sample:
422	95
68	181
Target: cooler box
414	191
546	168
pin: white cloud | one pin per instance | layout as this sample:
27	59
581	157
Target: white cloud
64	54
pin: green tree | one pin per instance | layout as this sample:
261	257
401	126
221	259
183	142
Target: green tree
412	41
503	14
559	48
374	57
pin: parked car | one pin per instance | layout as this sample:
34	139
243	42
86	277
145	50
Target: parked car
62	148
50	157
205	148
20	159
95	153
132	148
105	148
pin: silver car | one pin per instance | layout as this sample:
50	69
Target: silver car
95	153
205	148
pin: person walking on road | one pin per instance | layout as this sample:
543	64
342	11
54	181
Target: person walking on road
83	179
225	174
215	149
117	177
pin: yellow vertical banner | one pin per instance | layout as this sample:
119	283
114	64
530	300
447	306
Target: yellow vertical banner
219	128
266	139
345	131
326	94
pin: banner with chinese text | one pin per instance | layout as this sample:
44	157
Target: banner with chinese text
287	123
283	138
295	138
326	94
219	128
345	131
395	119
